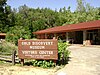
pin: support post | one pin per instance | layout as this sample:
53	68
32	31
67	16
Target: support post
55	35
13	57
55	62
67	37
84	37
22	62
98	34
45	36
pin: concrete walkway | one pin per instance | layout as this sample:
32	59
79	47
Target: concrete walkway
84	61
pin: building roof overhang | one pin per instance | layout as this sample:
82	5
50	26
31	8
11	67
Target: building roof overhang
72	27
2	34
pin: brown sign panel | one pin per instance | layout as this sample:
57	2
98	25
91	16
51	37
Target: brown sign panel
38	49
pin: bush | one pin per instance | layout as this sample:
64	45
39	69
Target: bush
16	33
6	47
41	63
63	53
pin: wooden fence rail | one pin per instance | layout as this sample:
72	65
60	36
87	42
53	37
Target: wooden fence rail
9	57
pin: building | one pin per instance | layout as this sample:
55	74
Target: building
87	33
2	35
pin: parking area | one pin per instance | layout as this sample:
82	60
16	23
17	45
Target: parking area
85	60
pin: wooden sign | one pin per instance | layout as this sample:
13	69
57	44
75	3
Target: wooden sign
38	49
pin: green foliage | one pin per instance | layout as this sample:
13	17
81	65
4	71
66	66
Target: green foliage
80	6
2	15
41	63
16	33
6	47
1	62
63	53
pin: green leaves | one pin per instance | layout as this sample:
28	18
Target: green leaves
7	48
41	63
3	2
16	33
63	53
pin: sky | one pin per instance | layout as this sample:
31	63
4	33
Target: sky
52	4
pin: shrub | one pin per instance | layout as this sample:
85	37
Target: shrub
6	47
16	33
41	63
63	53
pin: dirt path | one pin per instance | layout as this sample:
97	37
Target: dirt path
26	70
84	61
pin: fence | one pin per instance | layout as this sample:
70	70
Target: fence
10	57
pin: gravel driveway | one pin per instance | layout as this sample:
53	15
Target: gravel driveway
85	60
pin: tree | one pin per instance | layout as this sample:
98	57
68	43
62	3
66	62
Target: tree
2	15
16	33
80	6
29	20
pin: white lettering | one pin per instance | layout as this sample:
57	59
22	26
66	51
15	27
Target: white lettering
45	52
26	43
29	52
42	43
37	47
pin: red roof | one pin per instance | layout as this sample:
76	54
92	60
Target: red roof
72	27
2	34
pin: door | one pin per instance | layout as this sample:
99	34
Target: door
79	37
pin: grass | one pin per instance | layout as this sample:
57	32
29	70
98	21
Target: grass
7	47
4	63
1	62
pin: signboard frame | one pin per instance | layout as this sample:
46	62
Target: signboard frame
40	49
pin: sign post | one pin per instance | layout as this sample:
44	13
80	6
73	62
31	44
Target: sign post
44	49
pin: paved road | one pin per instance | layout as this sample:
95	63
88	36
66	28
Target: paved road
84	61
